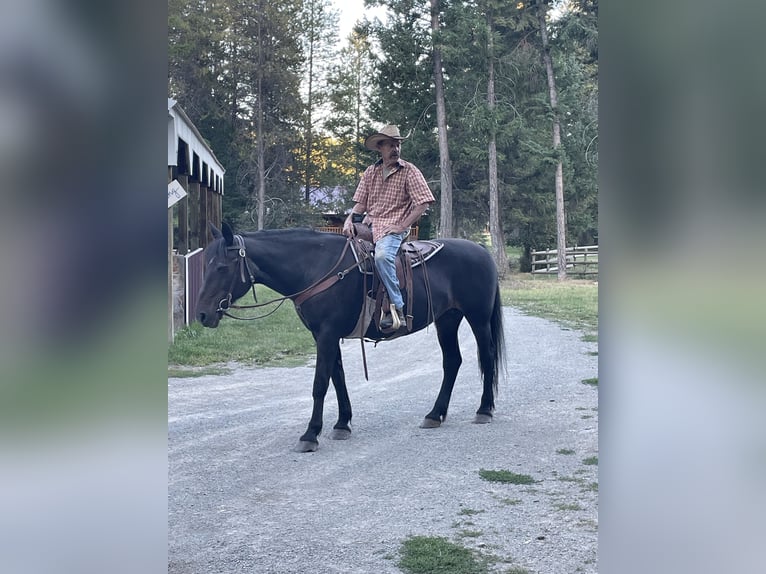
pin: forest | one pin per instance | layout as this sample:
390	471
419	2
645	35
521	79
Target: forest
499	99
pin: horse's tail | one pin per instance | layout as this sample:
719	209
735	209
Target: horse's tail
498	339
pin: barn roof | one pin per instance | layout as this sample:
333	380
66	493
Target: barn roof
199	158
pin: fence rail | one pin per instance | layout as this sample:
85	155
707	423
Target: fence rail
580	260
187	281
194	271
413	236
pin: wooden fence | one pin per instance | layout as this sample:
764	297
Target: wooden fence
580	260
413	236
187	281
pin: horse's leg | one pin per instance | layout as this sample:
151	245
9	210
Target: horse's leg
342	429
327	350
487	364
446	329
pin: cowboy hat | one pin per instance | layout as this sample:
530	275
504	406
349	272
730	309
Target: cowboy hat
387	132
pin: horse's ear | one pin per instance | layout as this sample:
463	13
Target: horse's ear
228	234
214	231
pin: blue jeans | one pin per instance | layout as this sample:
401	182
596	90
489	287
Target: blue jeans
385	261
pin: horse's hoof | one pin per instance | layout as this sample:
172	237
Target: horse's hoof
430	424
306	446
481	419
340	434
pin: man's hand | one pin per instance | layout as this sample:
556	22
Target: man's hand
348	228
395	230
408	221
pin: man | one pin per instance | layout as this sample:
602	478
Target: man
394	194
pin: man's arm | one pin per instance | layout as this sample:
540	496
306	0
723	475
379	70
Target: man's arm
348	225
421	196
408	221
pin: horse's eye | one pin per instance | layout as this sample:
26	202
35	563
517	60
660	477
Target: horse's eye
222	268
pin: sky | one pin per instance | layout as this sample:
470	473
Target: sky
350	12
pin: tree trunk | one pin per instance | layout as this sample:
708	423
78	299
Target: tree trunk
260	147
359	78
445	220
310	104
560	213
495	225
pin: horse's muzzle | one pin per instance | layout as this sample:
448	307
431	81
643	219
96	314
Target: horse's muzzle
209	319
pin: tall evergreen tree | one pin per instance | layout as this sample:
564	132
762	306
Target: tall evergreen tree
542	11
445	167
348	120
200	72
495	226
234	66
245	73
320	24
274	108
575	35
402	83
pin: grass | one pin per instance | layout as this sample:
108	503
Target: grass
510	501
592	382
568	506
506	476
182	373
591	461
585	485
277	340
469	512
572	303
565	451
282	340
437	555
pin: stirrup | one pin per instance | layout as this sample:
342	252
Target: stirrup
395	321
395	318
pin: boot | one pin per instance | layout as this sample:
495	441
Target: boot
394	319
400	318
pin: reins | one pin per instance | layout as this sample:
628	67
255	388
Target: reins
322	283
326	281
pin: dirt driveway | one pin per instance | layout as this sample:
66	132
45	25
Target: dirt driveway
240	500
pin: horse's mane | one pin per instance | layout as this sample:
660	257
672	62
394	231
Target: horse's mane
287	232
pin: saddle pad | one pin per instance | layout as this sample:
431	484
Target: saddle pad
421	251
417	252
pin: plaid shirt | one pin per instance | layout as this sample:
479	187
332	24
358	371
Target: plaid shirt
388	201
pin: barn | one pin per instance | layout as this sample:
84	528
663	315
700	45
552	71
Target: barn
195	193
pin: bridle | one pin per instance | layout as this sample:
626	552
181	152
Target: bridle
244	266
246	273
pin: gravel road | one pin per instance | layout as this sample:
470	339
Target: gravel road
241	501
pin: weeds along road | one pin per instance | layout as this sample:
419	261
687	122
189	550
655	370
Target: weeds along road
240	500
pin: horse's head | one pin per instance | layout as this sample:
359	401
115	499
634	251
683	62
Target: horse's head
227	275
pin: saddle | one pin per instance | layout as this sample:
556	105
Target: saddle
411	254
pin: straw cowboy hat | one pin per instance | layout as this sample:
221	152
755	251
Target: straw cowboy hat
387	132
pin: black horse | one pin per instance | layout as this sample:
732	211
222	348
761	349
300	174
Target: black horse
461	280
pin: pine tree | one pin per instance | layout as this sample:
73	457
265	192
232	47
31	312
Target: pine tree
495	226
348	120
445	167
320	23
542	10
